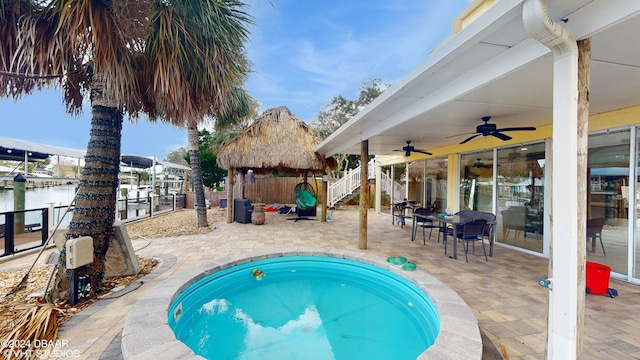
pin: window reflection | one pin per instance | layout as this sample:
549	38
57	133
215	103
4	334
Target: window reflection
428	183
608	199
476	181
521	196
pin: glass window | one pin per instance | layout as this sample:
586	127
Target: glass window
428	184
608	199
476	181
521	196
385	189
416	181
436	183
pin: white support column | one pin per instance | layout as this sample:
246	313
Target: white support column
392	191
631	214
565	322
50	222
153	175
424	183
406	180
494	190
378	187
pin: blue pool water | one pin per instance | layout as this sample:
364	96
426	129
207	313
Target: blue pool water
306	307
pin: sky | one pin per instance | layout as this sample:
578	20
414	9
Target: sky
302	53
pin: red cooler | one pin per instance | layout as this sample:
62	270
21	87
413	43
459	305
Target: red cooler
597	278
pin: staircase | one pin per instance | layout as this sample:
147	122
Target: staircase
348	187
387	184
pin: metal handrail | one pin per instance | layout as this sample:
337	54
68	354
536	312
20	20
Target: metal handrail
177	202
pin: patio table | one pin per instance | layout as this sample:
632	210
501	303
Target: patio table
454	220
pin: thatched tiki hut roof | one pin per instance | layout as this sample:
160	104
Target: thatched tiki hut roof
277	140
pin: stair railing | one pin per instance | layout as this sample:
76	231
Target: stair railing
346	185
387	183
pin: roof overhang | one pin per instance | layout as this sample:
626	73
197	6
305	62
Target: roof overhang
15	150
143	162
494	68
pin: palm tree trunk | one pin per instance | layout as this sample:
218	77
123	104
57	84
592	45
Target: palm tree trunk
95	208
196	170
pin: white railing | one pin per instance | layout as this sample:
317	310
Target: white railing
398	189
346	185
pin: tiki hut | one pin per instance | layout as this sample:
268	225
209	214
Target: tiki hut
277	142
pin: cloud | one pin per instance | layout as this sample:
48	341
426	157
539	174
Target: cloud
315	53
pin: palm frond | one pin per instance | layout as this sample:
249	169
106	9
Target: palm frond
37	322
171	59
90	30
237	106
12	16
198	48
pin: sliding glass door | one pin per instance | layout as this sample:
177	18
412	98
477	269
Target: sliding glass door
521	188
476	181
608	199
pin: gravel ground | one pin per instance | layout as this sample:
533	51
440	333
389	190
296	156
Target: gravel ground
177	223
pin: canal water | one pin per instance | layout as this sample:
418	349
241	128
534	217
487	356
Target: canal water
38	198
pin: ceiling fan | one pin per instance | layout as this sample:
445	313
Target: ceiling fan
487	129
480	164
408	149
513	155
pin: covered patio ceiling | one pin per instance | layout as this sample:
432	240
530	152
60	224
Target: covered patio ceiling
494	68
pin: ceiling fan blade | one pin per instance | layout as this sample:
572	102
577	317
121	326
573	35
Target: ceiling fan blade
456	135
422	151
470	138
501	136
525	128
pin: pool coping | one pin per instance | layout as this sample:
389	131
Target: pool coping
459	336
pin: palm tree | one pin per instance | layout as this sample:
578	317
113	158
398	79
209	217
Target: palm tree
171	60
237	107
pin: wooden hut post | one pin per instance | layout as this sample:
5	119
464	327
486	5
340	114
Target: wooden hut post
241	182
186	182
364	193
230	183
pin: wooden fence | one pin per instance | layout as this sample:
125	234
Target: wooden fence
267	190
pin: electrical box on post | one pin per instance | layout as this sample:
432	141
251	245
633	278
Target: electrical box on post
79	252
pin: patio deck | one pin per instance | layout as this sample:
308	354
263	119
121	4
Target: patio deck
503	293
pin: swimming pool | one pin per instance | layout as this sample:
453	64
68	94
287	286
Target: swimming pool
306	307
147	335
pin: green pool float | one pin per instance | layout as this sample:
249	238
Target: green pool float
408	266
397	260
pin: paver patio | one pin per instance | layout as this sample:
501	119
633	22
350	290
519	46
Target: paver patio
503	292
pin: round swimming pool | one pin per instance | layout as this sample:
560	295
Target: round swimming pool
147	334
304	307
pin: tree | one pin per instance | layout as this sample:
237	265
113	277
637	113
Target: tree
212	174
173	61
236	107
339	110
177	156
